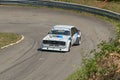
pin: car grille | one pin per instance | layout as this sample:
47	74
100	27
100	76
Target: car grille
54	43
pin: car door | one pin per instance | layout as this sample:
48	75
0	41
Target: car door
77	35
73	35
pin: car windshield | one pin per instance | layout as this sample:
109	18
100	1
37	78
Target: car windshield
61	32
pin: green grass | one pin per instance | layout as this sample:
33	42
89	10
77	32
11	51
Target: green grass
7	38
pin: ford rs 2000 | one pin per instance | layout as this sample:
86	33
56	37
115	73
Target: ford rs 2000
61	38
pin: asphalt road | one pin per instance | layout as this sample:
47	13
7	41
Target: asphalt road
24	62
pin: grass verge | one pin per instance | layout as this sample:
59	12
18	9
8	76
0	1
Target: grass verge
105	65
8	38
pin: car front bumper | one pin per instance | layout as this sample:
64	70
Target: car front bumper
54	48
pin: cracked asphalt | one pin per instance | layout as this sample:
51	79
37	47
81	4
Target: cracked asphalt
24	61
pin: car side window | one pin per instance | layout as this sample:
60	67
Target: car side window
76	30
72	31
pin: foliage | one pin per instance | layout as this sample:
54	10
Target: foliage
109	0
100	67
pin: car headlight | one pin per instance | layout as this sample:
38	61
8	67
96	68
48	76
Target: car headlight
45	45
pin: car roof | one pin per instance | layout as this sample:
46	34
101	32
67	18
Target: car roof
62	27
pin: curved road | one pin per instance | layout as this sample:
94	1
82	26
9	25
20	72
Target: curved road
24	62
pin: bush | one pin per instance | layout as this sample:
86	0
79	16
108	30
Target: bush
109	0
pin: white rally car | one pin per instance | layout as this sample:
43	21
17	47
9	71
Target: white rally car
61	38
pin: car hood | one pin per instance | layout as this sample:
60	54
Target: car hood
56	37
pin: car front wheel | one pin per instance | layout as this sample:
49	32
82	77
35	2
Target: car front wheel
69	47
